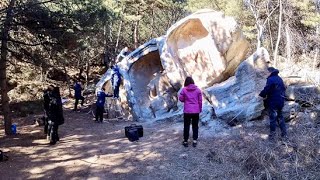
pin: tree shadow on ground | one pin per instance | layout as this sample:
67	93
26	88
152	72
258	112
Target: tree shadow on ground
94	150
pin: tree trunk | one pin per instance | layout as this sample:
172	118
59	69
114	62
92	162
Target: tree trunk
152	23
3	69
118	36
87	71
259	37
279	35
288	44
80	73
270	33
68	80
136	34
316	51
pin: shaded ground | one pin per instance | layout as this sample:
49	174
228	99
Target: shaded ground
89	150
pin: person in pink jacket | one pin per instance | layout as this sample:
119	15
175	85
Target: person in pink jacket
191	96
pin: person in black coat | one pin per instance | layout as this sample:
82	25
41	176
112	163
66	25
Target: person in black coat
55	115
274	92
46	105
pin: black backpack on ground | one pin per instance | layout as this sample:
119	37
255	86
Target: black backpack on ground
133	135
134	126
133	132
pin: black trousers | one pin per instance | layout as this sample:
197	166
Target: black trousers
116	92
99	113
77	102
53	132
188	118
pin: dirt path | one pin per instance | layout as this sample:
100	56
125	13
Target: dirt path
92	150
89	150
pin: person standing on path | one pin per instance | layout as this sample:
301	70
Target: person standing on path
47	93
77	95
101	99
55	115
191	96
274	92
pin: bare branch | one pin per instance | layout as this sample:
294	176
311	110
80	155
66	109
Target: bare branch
270	14
24	43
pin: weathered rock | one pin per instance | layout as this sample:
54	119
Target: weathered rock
207	45
237	98
302	93
290	110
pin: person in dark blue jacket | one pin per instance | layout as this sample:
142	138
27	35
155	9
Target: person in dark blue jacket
274	92
116	80
77	95
101	99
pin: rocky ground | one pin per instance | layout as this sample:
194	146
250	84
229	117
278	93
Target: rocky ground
89	150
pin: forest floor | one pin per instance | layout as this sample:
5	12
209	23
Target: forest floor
89	150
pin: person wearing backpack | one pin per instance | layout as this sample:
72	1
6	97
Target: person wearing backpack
274	94
77	95
55	115
101	99
191	96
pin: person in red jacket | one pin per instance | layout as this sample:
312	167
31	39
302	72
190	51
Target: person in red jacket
191	96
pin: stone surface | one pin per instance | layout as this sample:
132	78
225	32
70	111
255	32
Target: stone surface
207	45
237	98
302	92
290	110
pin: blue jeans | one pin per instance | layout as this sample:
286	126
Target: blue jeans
275	115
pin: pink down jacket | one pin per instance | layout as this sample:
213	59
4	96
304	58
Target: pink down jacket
191	96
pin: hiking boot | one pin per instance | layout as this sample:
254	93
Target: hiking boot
185	143
53	142
194	143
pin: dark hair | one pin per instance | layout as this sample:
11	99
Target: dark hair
56	91
103	88
271	69
188	81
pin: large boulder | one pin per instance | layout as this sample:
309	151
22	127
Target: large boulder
237	98
207	45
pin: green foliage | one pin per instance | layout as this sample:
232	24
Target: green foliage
308	11
72	32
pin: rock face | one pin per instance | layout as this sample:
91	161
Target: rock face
302	92
205	45
237	98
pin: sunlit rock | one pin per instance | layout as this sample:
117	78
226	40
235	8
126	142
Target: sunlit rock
237	98
205	45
